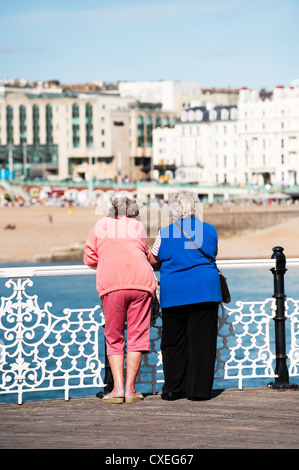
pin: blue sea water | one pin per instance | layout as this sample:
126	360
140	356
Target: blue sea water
79	291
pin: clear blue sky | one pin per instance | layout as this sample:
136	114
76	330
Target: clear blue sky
234	43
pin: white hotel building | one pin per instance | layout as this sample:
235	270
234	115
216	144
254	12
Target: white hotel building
256	141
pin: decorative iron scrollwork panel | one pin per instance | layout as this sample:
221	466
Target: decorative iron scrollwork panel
43	351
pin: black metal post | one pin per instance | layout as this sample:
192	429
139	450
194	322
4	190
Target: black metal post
281	370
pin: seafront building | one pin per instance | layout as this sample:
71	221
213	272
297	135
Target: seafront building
171	95
168	130
202	147
88	135
254	142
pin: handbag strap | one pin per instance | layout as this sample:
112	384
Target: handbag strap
199	249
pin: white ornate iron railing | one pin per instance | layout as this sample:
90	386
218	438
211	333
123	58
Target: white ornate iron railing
41	351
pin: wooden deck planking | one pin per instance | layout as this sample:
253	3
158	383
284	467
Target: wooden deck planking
254	418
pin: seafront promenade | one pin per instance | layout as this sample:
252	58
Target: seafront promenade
254	418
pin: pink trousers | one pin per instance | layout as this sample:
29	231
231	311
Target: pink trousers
133	306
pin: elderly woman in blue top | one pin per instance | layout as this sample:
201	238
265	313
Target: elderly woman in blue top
190	294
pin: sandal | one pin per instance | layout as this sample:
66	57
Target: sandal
108	399
134	398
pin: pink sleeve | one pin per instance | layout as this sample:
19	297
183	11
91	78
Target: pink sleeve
90	257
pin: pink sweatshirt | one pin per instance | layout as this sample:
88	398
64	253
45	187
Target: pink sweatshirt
118	249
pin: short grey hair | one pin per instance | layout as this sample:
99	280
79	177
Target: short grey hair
124	206
184	204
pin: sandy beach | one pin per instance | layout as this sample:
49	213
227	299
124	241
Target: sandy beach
259	243
34	234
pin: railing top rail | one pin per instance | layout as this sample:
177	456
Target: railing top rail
254	263
31	271
34	271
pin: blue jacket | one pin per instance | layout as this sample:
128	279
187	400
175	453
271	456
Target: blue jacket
186	276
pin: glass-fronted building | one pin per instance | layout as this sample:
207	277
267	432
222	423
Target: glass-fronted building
59	135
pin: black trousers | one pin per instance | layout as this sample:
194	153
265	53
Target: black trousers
189	338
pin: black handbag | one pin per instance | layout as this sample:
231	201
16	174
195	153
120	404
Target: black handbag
223	283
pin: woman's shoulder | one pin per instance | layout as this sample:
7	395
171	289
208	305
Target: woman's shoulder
208	226
104	221
210	232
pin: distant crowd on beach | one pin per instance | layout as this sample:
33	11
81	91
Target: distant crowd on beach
61	201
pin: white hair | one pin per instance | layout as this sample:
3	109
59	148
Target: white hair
184	204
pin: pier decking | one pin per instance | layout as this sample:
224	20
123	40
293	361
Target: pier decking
254	418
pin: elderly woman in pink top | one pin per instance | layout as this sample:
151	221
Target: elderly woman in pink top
117	247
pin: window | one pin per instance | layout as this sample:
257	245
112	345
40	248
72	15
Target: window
166	122
149	131
76	125
36	137
140	131
9	124
89	125
49	124
23	125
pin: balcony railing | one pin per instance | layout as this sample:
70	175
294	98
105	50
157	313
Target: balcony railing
42	352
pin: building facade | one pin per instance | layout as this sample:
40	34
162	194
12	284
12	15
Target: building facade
268	132
255	141
202	148
115	135
69	134
172	95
